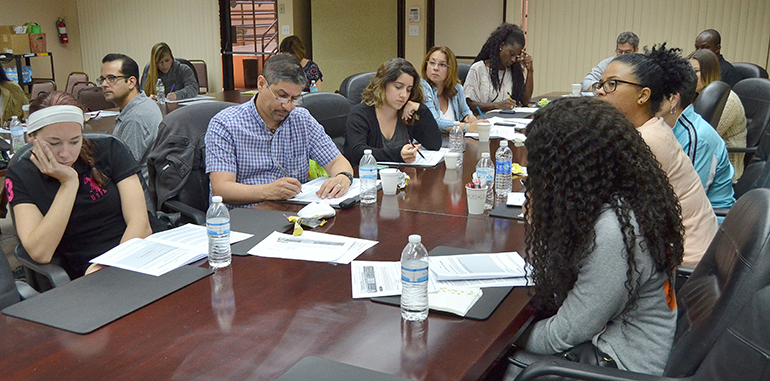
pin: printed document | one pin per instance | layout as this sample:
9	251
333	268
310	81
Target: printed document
194	99
431	159
312	246
308	193
379	278
477	266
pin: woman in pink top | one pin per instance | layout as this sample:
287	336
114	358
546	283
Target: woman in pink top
637	84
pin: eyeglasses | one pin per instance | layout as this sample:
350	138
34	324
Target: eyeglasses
611	85
623	52
110	79
294	101
442	65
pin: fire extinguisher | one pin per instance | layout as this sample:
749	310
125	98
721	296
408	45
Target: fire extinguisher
61	27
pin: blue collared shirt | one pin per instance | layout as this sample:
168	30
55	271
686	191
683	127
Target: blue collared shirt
459	105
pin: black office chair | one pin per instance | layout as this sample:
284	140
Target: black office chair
331	111
462	71
711	102
710	304
11	290
755	97
355	85
176	165
749	70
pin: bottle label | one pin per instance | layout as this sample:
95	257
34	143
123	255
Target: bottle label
417	275
367	173
485	174
218	228
504	167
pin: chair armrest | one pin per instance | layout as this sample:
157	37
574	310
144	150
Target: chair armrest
578	371
196	215
25	290
744	150
721	212
55	274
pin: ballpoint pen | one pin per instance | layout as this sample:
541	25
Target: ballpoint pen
174	85
481	114
418	151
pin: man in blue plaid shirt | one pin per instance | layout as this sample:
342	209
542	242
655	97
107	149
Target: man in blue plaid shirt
259	150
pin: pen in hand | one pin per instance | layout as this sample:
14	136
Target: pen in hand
174	85
418	151
481	114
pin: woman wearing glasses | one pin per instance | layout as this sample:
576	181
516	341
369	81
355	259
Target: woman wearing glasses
732	124
73	199
496	79
442	91
637	84
378	124
178	78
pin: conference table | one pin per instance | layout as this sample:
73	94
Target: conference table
257	318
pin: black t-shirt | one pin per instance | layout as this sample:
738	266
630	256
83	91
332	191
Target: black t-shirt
96	223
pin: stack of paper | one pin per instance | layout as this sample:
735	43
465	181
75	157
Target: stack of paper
312	246
192	100
480	270
454	300
308	193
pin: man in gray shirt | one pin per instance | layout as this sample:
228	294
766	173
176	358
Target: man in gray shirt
137	124
627	43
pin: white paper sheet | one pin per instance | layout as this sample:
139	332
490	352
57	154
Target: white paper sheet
309	189
186	100
477	266
516	198
312	246
432	158
379	278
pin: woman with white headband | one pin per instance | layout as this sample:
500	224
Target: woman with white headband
73	199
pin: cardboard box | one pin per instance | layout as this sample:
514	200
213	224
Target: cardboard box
13	43
37	43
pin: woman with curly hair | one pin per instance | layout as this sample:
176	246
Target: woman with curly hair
496	78
379	123
637	84
603	236
178	79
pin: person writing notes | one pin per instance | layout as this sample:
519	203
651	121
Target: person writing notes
442	91
260	150
178	79
637	84
496	79
73	199
603	237
379	123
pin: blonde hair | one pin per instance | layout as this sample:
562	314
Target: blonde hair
709	65
451	78
158	51
374	93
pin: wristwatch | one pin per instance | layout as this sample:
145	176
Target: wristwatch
347	174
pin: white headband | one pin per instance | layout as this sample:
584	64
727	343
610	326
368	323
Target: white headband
54	114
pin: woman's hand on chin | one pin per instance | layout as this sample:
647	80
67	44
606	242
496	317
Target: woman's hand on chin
44	159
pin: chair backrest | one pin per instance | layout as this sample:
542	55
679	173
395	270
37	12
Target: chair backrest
755	175
355	85
191	66
735	266
177	161
73	78
755	97
462	71
749	70
331	111
8	292
81	85
41	86
711	102
203	75
92	99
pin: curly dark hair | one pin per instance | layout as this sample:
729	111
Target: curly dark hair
584	155
508	34
661	70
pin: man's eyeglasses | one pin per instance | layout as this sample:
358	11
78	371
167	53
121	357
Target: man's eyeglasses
110	79
294	101
442	65
623	52
611	85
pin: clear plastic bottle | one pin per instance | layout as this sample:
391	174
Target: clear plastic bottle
313	87
367	173
17	134
485	170
414	280
161	92
503	177
457	141
218	228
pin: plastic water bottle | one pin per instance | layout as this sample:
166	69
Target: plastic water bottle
503	177
161	92
218	228
457	141
367	172
17	134
313	87
414	280
485	170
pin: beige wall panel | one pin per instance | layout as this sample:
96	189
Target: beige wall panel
464	25
67	57
567	37
351	37
190	27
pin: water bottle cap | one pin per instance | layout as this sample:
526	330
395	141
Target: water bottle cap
415	238
503	143
14	117
367	152
485	154
216	198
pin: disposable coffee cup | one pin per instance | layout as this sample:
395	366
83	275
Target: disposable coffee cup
450	159
25	110
476	198
576	89
484	129
389	177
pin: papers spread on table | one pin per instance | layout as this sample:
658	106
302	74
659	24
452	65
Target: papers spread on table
518	123
309	189
185	100
312	246
516	198
505	128
432	158
164	251
477	266
530	110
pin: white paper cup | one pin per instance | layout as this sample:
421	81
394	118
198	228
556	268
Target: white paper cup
389	177
484	129
450	158
576	89
476	198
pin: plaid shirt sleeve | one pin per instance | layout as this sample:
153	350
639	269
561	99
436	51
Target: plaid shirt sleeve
220	147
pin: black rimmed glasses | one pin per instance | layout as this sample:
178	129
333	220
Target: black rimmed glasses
110	79
295	101
611	85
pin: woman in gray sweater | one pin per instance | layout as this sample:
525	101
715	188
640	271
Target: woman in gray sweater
603	234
